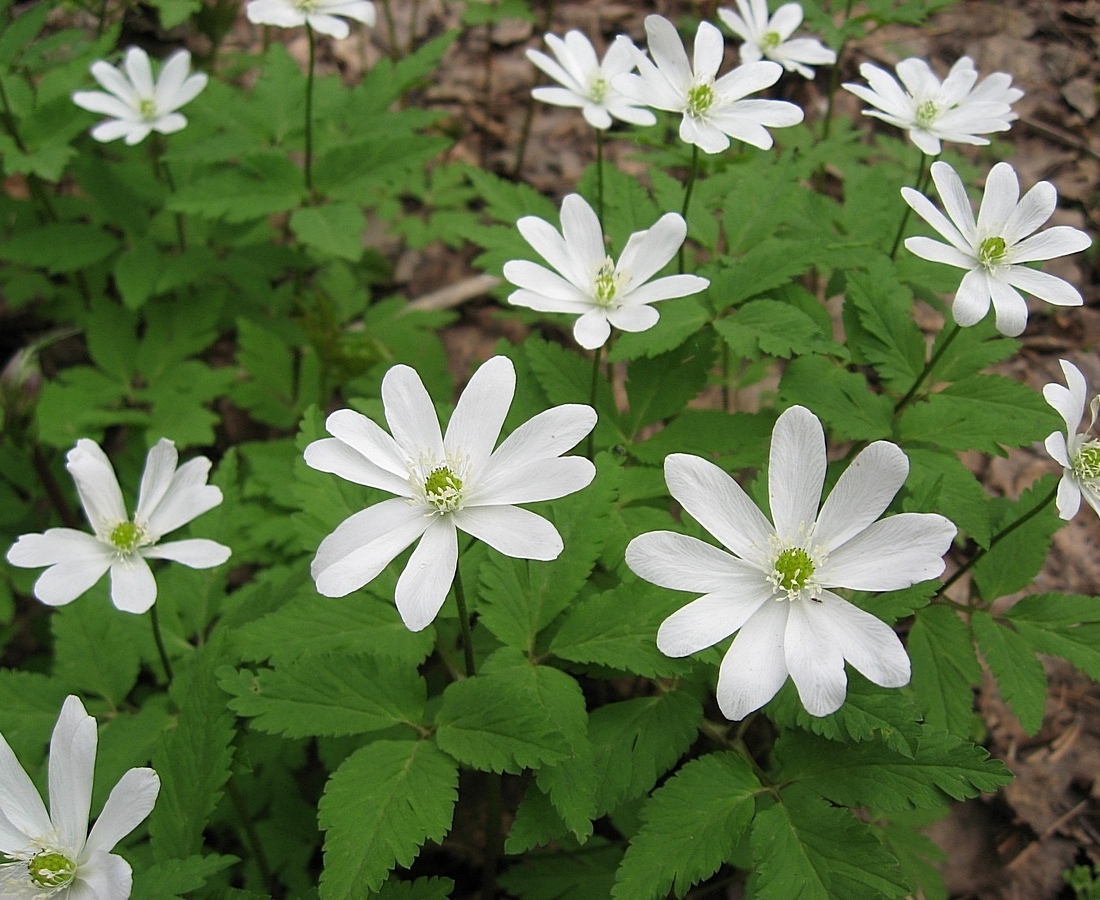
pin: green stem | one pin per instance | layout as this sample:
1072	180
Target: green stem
309	109
689	188
595	382
154	617
834	77
391	29
923	173
157	148
599	174
464	622
999	536
928	367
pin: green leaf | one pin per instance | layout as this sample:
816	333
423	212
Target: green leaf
81	402
335	229
587	874
982	412
59	247
1020	676
771	328
804	848
29	706
419	889
567	378
945	669
733	440
869	774
326	695
273	390
1064	625
137	270
96	649
661	386
680	319
259	186
972	350
764	267
178	877
537	823
379	808
692	824
890	339
939	481
1014	561
841	399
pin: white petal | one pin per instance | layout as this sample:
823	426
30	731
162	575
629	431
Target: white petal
197	553
1035	207
1061	240
1056	446
99	102
515	532
113	129
1069	496
187	497
160	466
719	504
666	289
862	493
65	581
64	545
668	52
116	83
139	71
1009	306
551	246
890	554
19	799
633	318
410	413
868	643
924	208
748	78
972	299
536	480
542	281
647	252
274	12
423	586
592	329
754	669
72	767
1068	401
559	96
583	234
549	434
97	485
330	25
935	251
1002	190
816	664
709	48
105	874
796	471
480	412
684	563
1043	285
709	619
339	458
953	194
703	135
133	588
364	544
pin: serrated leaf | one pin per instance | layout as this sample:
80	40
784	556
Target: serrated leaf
379	808
1020	676
335	229
536	824
841	399
771	328
175	877
59	247
804	848
254	189
1064	625
584	875
765	266
891	340
567	378
738	439
680	319
692	823
96	649
945	668
419	889
869	774
663	385
326	695
939	481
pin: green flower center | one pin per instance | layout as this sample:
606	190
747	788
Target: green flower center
770	41
991	252
306	6
927	111
51	870
147	109
126	537
700	98
793	569
1086	462
443	489
597	91
606	283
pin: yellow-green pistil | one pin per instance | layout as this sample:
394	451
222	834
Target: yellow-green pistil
793	569
606	284
991	252
770	41
50	869
597	91
700	98
126	537
927	111
1086	462
443	489
147	109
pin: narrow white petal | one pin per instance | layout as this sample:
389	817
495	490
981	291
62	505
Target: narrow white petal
1061	240
972	299
19	799
684	563
99	102
953	194
338	458
667	288
647	252
786	19
868	643
480	412
549	434
173	73
540	280
65	581
97	485
583	234
552	247
633	318
274	12
423	586
139	71
709	48
1069	496
538	479
718	503
703	135
330	25
1043	285
559	97
924	208
862	493
61	545
1056	446
197	553
890	554
709	619
1069	401
187	497
935	251
513	531
133	587
816	663
101	875
368	438
72	767
116	83
668	52
754	668
410	413
796	471
160	466
748	78
1034	208
1002	190
1010	308
592	329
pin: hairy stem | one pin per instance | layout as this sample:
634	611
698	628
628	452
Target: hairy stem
464	622
591	447
689	188
158	637
599	174
927	370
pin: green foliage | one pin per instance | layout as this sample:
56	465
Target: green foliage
944	668
1019	674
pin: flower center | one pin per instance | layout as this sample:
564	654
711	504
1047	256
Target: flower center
306	6
1086	462
927	112
770	41
443	489
50	869
792	569
126	537
700	98
606	283
147	109
597	90
991	252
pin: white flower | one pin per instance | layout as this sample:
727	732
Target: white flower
587	81
774	588
955	110
54	854
320	15
168	498
136	104
994	247
766	36
590	284
445	483
714	110
1076	453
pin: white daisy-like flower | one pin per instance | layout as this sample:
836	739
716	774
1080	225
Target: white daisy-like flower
958	109
587	283
168	499
773	586
136	104
445	484
53	854
1078	453
770	36
586	82
994	248
323	16
714	109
